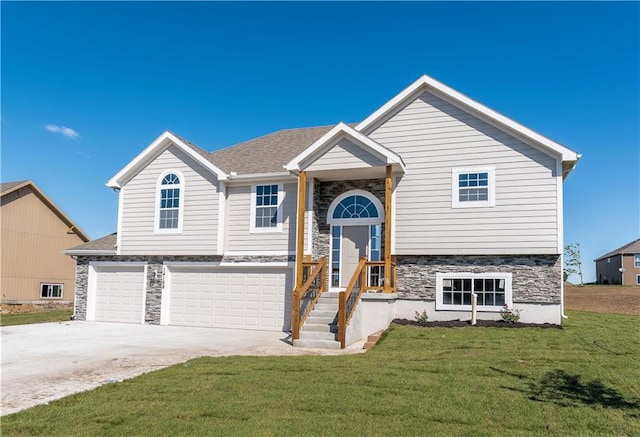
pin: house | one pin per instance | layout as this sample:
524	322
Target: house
621	266
333	231
34	235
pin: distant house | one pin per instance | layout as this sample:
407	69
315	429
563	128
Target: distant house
621	266
35	233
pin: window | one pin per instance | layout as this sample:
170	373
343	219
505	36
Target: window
454	290
636	261
355	206
637	279
51	291
473	187
266	212
170	206
335	255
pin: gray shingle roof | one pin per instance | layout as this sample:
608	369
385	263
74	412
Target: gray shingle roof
633	247
268	153
8	186
106	243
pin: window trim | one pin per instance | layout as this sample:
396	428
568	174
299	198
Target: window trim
455	189
51	285
182	187
508	293
637	279
253	229
356	221
636	260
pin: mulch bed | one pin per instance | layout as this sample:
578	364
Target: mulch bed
480	324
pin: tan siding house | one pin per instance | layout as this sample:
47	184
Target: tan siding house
621	266
35	234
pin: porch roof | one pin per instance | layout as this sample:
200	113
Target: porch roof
368	156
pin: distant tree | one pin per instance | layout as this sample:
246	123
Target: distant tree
572	261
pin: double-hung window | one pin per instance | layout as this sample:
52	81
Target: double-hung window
473	187
636	261
455	290
51	291
266	211
170	203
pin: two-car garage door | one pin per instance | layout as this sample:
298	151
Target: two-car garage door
229	297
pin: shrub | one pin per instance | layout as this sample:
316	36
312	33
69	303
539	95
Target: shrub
422	318
510	315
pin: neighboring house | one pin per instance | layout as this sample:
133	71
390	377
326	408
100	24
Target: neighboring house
443	196
35	234
621	266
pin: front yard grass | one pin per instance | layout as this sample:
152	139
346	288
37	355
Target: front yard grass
42	317
581	380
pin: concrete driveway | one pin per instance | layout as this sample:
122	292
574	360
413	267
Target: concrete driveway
47	361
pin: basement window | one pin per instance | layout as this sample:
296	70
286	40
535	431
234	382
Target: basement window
454	291
51	291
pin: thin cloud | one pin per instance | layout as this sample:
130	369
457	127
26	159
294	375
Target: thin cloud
66	131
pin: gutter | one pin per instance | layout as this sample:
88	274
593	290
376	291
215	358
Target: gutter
234	177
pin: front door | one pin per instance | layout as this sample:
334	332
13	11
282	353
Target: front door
355	240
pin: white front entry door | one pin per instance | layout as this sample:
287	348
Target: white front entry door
355	242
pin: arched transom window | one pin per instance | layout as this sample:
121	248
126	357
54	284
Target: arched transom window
355	206
169	217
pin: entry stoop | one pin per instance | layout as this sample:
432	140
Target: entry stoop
321	327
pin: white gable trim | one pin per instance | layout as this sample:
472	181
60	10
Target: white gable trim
337	133
149	154
426	83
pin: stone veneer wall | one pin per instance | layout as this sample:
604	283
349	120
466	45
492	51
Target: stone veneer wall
323	194
536	278
155	265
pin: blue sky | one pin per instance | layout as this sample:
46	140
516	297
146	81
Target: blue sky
87	85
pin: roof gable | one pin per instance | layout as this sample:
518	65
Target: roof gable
7	188
632	247
329	140
154	149
428	84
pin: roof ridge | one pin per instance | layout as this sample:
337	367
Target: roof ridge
618	250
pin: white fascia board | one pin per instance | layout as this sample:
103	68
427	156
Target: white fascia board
244	179
148	154
426	83
337	133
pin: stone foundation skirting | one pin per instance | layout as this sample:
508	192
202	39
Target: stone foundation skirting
155	276
535	278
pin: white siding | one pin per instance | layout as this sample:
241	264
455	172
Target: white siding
238	237
200	214
345	155
433	136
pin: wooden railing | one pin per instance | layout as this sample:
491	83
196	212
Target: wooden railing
314	283
368	276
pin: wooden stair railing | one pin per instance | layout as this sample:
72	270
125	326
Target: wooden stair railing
361	282
305	298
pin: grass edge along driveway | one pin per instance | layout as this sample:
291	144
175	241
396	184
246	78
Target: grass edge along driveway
580	380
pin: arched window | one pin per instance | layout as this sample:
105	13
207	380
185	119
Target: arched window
356	207
169	206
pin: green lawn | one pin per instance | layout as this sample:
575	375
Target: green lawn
28	318
579	381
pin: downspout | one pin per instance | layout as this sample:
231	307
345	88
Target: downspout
562	314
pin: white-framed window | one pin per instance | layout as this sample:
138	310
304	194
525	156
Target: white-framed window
266	208
637	279
170	202
473	187
454	291
51	291
636	261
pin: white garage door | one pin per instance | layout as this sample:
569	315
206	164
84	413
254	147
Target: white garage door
119	294
229	298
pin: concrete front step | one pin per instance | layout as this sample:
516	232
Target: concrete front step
317	335
318	344
315	320
319	327
326	306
